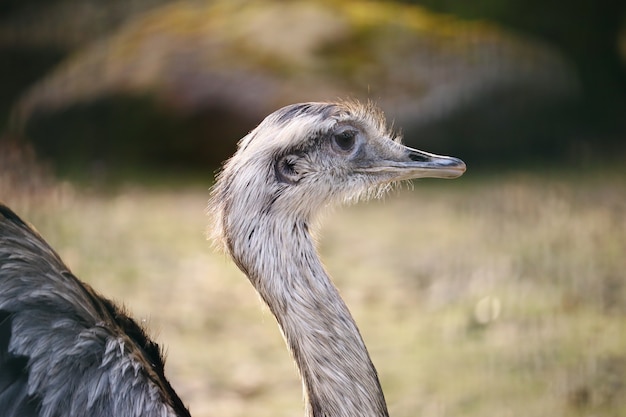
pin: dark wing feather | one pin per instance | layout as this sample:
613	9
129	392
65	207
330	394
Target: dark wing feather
14	398
64	350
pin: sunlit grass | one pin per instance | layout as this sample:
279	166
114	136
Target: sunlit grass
502	296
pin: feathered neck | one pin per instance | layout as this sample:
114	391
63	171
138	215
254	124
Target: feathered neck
280	259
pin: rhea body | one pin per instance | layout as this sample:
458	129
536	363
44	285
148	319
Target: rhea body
299	160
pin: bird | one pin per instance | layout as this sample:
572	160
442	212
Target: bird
67	351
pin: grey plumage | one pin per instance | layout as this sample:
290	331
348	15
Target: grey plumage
66	351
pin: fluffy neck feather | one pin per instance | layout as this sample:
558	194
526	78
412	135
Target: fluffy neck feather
280	260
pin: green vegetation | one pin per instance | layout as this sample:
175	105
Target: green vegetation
496	296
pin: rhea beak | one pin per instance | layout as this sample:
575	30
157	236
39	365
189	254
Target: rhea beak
400	163
428	165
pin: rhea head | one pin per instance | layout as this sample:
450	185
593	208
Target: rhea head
306	156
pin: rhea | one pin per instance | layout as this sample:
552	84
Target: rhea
66	351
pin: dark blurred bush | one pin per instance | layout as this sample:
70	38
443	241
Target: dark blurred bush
590	34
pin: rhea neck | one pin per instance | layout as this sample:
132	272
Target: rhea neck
279	257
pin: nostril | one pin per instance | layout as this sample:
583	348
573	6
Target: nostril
418	157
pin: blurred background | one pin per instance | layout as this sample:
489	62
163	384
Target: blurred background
502	293
99	87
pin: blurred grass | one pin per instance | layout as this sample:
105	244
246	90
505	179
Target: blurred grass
498	295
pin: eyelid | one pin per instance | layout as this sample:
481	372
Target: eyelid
352	133
347	129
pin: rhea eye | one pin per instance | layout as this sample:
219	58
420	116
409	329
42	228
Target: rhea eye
344	141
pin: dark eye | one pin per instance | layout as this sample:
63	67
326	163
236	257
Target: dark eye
344	141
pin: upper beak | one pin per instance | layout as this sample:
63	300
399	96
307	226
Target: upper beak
404	163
